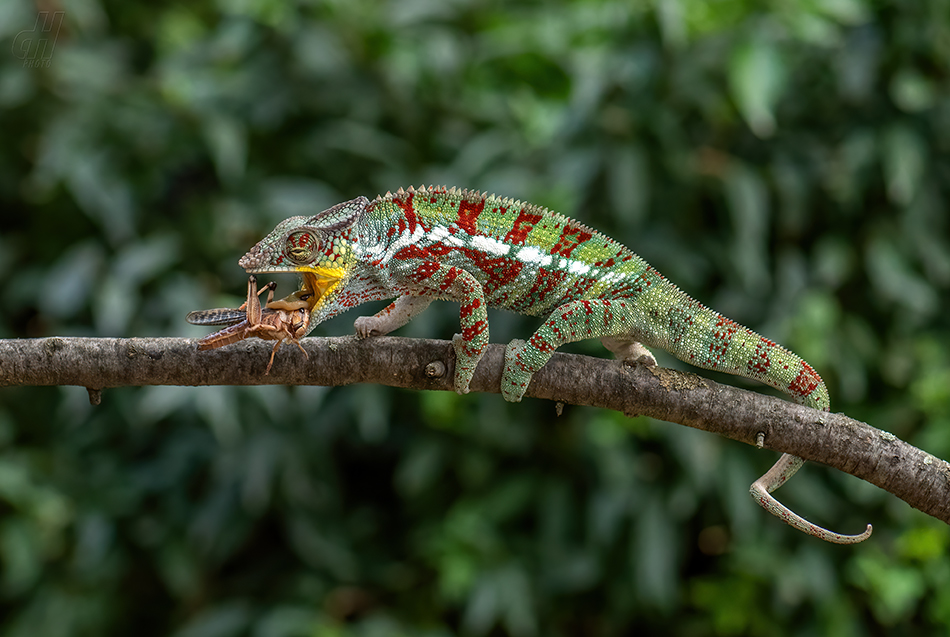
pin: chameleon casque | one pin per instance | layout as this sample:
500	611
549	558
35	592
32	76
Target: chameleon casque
482	251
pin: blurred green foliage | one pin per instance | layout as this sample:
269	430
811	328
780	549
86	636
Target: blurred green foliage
786	163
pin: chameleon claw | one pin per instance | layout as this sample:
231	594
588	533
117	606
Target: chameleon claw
775	477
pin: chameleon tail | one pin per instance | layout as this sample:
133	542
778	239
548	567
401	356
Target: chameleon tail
694	334
735	349
775	477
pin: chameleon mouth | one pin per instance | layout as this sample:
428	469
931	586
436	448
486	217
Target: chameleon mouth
317	283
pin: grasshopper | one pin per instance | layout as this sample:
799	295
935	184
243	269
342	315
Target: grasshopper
284	320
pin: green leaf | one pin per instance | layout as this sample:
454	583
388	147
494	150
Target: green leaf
757	78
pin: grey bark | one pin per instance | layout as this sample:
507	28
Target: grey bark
918	478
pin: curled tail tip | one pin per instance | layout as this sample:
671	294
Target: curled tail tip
854	539
839	538
761	493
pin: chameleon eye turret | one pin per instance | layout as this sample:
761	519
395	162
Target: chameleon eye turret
301	246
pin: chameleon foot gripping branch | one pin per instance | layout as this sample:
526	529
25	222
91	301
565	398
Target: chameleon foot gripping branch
484	251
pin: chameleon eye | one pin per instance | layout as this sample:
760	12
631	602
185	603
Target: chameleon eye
301	246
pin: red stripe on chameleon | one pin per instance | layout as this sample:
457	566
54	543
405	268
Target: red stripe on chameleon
541	344
571	237
467	309
546	282
579	287
499	270
408	210
412	252
449	279
468	215
522	226
761	361
611	261
425	270
439	249
608	313
722	335
470	332
806	382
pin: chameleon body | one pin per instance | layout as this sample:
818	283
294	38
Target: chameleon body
484	251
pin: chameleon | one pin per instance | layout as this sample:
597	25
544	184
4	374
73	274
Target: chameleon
285	320
485	251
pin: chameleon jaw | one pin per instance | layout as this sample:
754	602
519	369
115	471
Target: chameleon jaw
317	283
320	281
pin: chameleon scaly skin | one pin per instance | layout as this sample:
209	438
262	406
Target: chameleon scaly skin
485	251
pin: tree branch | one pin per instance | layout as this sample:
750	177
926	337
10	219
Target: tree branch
911	474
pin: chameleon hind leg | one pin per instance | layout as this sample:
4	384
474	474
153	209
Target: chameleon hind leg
775	477
606	319
628	349
574	321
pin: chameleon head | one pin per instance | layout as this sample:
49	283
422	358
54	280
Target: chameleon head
318	247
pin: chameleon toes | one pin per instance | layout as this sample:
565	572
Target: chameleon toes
465	363
365	327
515	379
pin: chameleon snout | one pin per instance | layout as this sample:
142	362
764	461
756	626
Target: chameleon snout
252	260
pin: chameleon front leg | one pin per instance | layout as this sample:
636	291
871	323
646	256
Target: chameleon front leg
438	280
391	317
775	477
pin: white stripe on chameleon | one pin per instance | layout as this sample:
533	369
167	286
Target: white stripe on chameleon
368	251
438	233
533	255
579	267
405	239
491	245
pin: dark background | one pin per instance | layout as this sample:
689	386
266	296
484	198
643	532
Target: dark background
785	163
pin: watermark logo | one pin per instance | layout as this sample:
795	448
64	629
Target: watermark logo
35	46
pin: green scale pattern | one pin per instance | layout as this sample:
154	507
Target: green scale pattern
533	261
484	251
